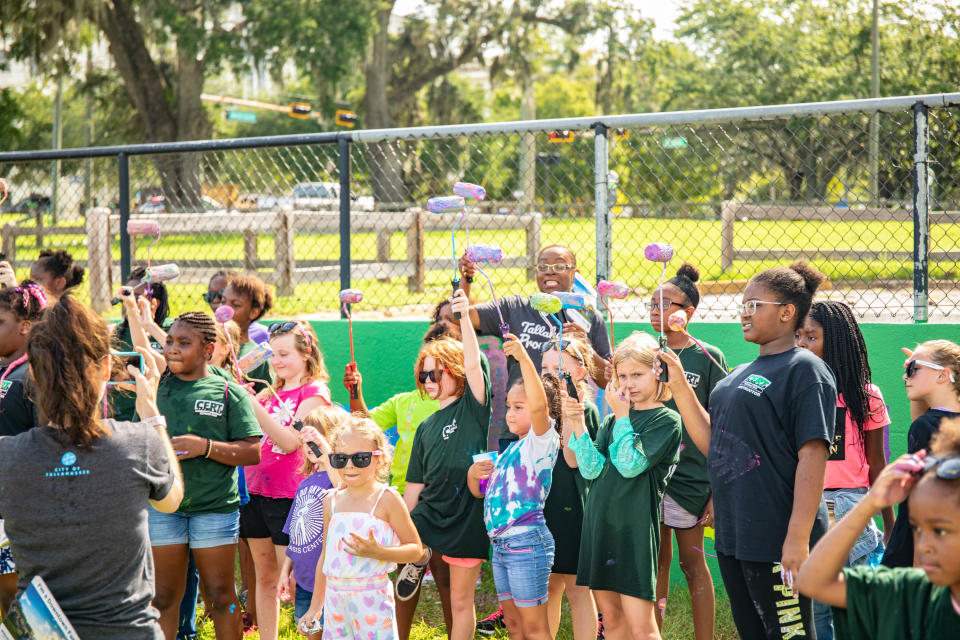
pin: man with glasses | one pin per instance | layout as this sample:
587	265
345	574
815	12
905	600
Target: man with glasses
556	269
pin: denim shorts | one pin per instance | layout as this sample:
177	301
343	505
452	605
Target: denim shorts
521	566
301	603
200	530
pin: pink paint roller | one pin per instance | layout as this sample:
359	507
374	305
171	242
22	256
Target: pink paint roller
145	228
678	322
549	305
611	289
351	296
490	254
660	252
223	315
471	191
450	204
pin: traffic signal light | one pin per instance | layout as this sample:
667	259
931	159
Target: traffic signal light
300	110
346	118
561	136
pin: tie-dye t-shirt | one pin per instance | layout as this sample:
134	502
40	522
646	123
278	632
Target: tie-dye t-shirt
520	482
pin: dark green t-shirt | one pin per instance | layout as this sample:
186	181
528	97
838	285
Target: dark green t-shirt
895	604
211	408
689	485
448	518
260	373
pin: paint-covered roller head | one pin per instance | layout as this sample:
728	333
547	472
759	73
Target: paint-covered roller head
255	358
143	227
545	303
570	300
612	289
467	190
223	314
162	272
677	320
658	252
351	296
445	204
491	253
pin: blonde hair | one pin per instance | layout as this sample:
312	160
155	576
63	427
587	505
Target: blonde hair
448	354
946	354
326	420
365	427
306	343
641	348
581	350
233	332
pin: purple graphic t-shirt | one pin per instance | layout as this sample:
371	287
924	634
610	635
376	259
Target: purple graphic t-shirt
305	528
520	482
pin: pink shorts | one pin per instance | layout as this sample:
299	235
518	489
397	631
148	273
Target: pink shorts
466	563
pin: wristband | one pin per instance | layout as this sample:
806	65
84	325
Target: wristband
468	279
209	448
158	421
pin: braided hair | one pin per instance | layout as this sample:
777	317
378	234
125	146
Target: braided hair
26	302
202	323
845	352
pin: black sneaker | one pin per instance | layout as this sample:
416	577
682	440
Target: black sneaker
489	625
409	578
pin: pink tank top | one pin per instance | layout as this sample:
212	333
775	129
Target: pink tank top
340	563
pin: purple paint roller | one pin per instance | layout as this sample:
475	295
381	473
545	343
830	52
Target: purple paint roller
351	296
468	190
678	322
660	252
612	289
450	204
490	254
223	315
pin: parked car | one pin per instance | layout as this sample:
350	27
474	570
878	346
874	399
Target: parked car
316	195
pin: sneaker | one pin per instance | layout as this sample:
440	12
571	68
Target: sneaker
489	625
409	578
599	626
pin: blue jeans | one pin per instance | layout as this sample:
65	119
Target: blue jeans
188	606
521	566
868	549
200	530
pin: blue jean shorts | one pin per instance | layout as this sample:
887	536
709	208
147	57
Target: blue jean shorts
521	566
301	603
199	530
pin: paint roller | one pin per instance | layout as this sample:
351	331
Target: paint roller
351	296
489	254
450	204
660	252
549	305
159	273
469	191
611	289
678	322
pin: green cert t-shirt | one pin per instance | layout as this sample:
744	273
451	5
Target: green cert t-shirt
895	604
689	485
211	408
448	518
621	518
406	411
260	373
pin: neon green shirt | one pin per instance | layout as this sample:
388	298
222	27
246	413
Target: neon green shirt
406	411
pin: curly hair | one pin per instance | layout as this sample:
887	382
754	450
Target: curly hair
255	290
551	386
60	264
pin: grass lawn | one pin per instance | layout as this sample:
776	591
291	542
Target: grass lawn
677	626
696	241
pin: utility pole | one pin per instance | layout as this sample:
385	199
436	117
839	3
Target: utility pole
57	144
874	132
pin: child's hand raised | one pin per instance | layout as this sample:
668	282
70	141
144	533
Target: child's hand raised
310	434
351	377
367	547
514	348
459	303
895	482
618	403
570	407
467	268
674	367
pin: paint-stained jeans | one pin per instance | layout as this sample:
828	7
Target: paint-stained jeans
763	608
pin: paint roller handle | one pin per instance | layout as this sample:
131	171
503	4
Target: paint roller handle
664	374
455	283
354	388
298	425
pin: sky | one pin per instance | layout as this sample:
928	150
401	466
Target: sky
663	13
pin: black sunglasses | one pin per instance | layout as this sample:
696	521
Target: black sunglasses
433	375
360	459
947	468
210	296
282	327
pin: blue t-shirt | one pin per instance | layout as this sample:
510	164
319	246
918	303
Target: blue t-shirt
520	482
305	527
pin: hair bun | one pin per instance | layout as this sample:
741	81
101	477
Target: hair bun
689	272
812	279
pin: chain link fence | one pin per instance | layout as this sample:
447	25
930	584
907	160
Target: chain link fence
734	191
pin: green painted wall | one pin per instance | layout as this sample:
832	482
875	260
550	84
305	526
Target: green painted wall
386	352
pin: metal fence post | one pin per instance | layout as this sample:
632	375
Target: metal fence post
123	173
921	228
601	210
343	146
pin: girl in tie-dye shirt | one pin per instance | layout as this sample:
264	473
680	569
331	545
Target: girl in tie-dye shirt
516	488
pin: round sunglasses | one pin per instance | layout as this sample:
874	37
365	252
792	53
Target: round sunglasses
360	460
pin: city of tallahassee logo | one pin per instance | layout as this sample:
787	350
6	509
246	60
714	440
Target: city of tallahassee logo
210	408
755	384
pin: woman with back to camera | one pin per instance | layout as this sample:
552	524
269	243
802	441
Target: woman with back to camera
88	479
